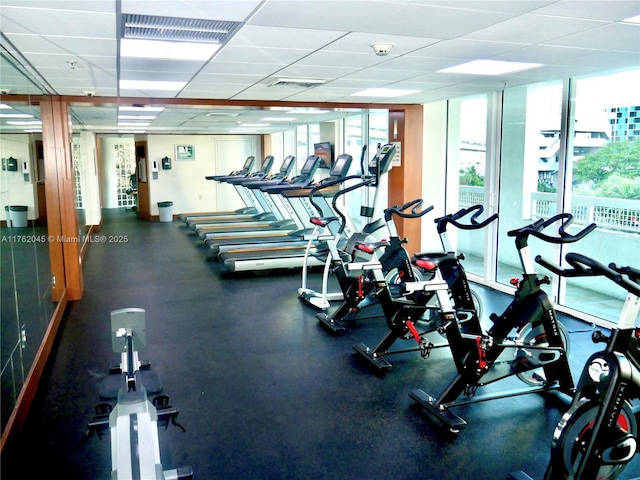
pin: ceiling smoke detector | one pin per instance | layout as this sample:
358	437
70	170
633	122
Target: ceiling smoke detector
382	49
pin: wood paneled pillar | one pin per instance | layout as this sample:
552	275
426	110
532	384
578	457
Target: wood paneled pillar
64	243
405	181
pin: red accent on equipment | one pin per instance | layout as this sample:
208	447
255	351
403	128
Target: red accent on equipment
413	330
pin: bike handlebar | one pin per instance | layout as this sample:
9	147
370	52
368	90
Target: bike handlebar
399	210
473	224
583	266
539	225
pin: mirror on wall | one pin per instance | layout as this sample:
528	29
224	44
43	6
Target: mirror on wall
25	270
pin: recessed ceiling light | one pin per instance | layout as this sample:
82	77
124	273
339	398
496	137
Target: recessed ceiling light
490	67
24	122
4	105
140	109
278	119
151	85
383	92
134	124
310	111
255	124
135	48
635	19
15	115
136	117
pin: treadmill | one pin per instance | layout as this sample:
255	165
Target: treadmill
258	210
291	253
289	219
244	171
298	198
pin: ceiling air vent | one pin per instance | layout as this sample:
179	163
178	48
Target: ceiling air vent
297	82
148	27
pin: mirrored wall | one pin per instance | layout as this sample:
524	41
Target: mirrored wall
25	274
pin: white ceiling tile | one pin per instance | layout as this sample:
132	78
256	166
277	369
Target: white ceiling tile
612	10
256	55
70	46
298	38
312	71
232	10
330	59
466	49
232	79
64	23
533	29
615	37
264	69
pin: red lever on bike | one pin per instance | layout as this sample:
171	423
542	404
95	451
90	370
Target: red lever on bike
482	355
413	330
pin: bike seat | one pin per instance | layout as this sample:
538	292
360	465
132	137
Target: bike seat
430	261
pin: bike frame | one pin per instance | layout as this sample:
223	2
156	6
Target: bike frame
485	358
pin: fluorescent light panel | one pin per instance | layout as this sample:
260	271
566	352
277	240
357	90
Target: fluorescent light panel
140	109
310	111
151	85
136	117
135	48
24	122
133	124
490	67
15	115
383	92
635	19
278	119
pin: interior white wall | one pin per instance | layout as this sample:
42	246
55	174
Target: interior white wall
185	184
107	169
14	190
434	170
89	171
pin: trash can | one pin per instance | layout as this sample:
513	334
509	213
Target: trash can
17	215
165	209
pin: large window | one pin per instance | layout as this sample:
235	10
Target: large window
532	118
466	157
571	146
603	183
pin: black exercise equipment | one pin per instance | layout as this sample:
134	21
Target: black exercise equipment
133	420
435	267
526	340
598	436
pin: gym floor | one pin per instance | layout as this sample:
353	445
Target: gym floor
263	391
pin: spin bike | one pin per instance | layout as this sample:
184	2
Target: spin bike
526	340
358	286
437	267
598	436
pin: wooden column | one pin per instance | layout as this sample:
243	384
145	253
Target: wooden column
405	181
64	243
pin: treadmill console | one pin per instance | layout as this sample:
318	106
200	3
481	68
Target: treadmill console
341	166
383	159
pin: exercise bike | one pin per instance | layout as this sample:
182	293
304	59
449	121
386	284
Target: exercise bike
434	269
598	436
526	340
356	281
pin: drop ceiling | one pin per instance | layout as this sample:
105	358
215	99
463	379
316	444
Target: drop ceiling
71	48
